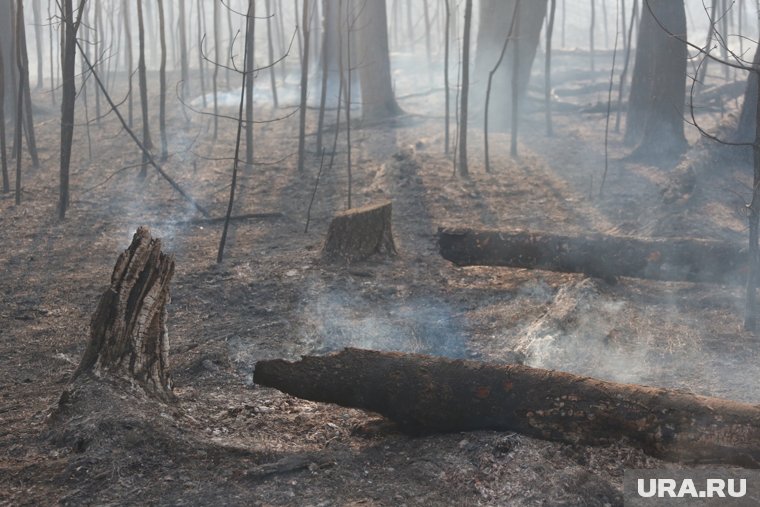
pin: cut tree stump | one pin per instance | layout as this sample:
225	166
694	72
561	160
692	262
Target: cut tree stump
433	394
359	233
128	334
599	255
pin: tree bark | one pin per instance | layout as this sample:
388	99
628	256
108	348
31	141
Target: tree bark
424	394
495	20
304	86
598	255
358	233
3	150
465	92
68	97
162	83
658	87
142	76
378	101
128	333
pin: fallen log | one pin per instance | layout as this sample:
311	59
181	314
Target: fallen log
433	394
599	255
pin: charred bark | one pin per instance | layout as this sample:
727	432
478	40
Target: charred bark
128	333
425	394
358	233
602	256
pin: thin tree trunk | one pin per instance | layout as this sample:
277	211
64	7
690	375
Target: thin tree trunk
464	97
548	69
215	77
128	45
38	41
270	49
592	28
142	75
201	69
184	73
162	80
26	91
304	87
347	86
624	73
243	87
490	82
515	87
3	150
325	75
446	51
53	60
250	27
68	97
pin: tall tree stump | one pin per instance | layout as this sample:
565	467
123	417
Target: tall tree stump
358	233
128	333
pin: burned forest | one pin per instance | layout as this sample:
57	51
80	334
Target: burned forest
377	252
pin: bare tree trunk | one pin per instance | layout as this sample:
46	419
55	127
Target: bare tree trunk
3	150
250	27
236	160
68	96
162	79
548	69
201	67
142	74
750	309
184	73
486	113
347	86
98	42
428	51
53	60
626	62
128	46
215	78
38	41
446	51
326	35
304	86
464	98
270	49
658	89
378	101
26	90
515	87
592	28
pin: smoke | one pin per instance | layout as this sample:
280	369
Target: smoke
335	319
586	330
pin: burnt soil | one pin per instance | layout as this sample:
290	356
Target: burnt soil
226	441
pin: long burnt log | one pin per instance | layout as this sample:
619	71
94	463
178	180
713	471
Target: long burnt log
599	255
425	394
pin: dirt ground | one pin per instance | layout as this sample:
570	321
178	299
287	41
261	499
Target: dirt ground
229	442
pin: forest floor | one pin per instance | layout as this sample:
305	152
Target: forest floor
229	442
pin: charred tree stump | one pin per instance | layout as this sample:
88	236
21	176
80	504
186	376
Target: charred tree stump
358	233
433	394
602	256
128	333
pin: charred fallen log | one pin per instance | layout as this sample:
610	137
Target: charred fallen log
599	255
432	394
